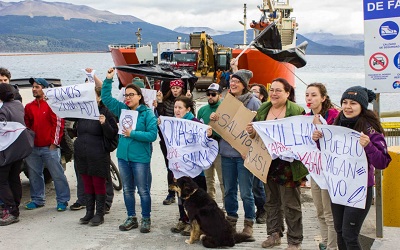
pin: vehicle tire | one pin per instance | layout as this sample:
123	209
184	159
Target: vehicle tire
115	177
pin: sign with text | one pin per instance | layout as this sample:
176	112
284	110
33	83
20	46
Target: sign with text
9	132
189	150
345	165
127	120
291	139
74	101
382	45
258	159
232	122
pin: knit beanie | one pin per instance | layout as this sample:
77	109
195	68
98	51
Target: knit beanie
359	94
176	83
138	82
244	76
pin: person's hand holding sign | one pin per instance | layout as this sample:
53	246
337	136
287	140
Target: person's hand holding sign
127	132
102	119
214	116
364	140
188	94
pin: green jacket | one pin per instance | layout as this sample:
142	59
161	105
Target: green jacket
297	168
204	115
136	147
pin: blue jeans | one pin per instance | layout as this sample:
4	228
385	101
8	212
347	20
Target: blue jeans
135	174
39	157
233	173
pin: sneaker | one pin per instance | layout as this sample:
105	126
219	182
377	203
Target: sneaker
169	200
322	246
179	227
130	222
145	225
186	230
76	206
7	218
32	205
62	206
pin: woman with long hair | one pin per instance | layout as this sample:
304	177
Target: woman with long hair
134	151
356	115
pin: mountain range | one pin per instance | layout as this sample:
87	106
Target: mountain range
39	26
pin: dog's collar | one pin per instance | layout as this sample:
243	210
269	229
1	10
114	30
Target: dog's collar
187	197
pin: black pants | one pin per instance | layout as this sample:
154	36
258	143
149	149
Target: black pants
170	175
10	187
201	182
348	222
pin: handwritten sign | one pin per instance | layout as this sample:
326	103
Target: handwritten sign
90	76
75	101
127	120
9	132
149	96
291	139
231	125
258	159
345	165
190	151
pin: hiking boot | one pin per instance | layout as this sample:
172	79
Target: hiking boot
179	227
32	205
130	222
62	206
293	247
261	217
76	206
272	240
145	225
232	221
186	230
169	200
248	230
7	218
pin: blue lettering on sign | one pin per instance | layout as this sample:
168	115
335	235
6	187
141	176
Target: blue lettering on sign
377	9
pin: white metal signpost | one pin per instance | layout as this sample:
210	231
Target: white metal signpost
382	66
382	45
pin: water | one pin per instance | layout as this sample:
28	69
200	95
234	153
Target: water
337	72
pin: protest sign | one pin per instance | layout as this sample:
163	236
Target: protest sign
291	139
89	76
127	120
74	101
232	122
149	96
345	165
9	132
258	159
190	151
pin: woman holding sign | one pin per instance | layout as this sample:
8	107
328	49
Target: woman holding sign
318	101
356	115
283	185
134	150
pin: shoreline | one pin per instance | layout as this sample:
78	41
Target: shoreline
48	53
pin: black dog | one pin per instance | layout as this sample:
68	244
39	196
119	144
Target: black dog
206	218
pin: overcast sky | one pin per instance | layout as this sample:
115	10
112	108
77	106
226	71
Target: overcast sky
338	16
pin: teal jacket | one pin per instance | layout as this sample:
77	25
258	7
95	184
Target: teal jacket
137	147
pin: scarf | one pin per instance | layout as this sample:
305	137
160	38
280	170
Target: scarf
188	116
245	98
347	122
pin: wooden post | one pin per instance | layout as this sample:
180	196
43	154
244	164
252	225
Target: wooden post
378	184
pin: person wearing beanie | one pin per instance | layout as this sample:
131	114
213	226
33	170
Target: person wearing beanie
10	183
356	115
232	162
165	107
138	82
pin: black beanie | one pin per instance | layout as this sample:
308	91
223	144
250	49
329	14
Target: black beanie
359	94
244	76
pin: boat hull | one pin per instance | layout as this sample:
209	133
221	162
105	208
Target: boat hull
263	67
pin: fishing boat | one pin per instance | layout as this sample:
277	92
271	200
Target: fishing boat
264	68
124	54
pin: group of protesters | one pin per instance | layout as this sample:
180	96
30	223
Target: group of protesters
276	200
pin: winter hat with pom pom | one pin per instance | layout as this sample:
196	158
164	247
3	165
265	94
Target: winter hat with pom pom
359	94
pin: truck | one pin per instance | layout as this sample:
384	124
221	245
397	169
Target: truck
166	49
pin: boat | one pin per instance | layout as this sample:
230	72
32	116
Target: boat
125	54
264	68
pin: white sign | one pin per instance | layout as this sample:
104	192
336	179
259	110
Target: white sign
190	151
382	45
345	165
291	139
149	96
74	101
9	132
90	76
127	120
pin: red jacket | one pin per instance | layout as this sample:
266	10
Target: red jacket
48	127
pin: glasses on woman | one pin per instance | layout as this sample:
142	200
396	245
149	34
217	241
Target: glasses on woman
234	81
278	91
211	94
130	95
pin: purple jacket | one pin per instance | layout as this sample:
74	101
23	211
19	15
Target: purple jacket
377	154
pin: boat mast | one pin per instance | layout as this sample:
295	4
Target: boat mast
244	23
139	36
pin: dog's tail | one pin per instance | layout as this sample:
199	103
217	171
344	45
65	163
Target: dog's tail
241	237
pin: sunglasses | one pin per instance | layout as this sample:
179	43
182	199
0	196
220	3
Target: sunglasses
211	94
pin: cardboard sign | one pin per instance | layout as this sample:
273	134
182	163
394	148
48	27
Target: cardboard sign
232	122
74	101
258	159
